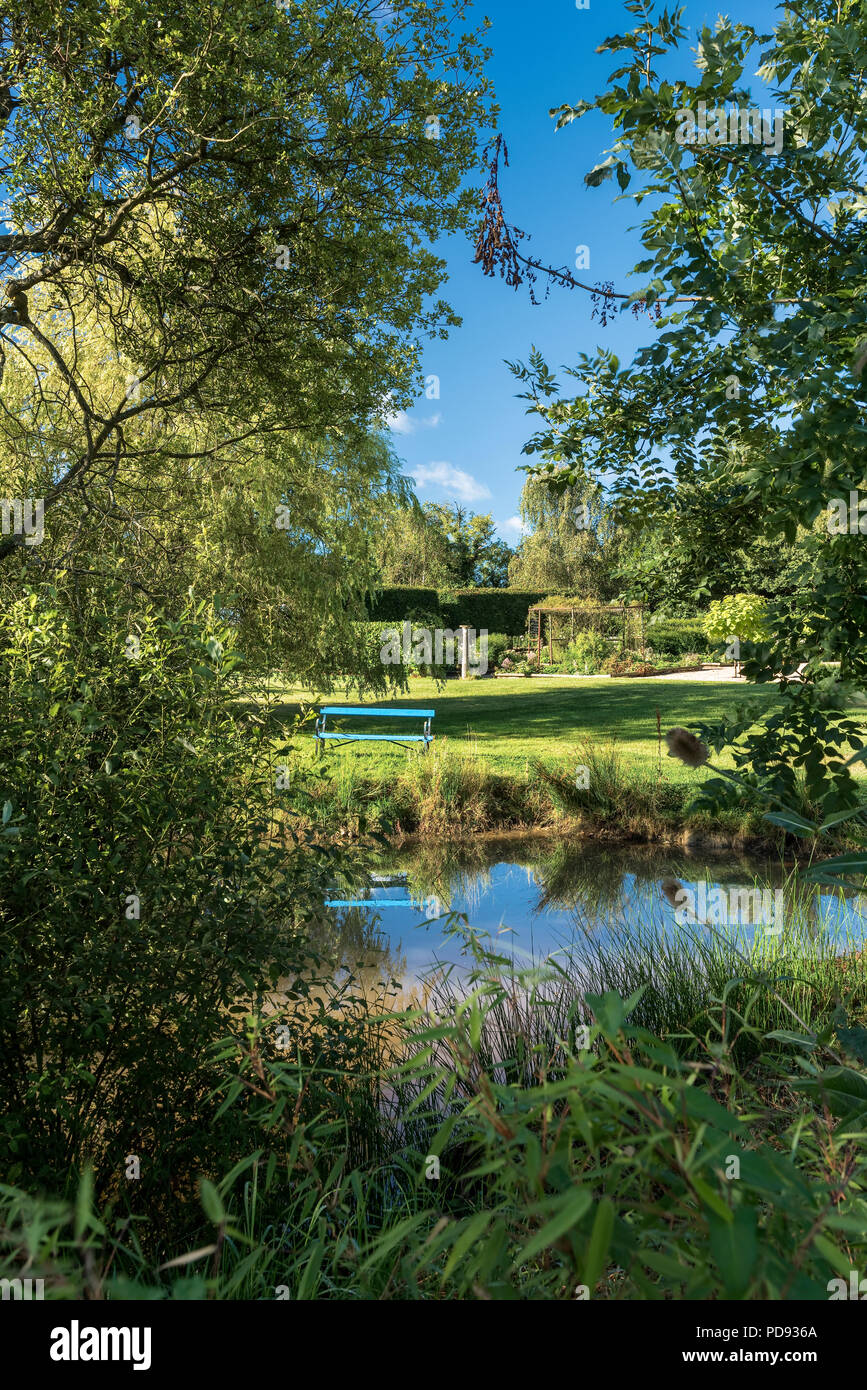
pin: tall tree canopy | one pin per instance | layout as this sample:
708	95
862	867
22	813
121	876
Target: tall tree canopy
443	546
572	544
756	261
217	266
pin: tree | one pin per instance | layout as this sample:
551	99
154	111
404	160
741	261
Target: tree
573	545
241	200
413	550
440	546
477	557
677	561
756	260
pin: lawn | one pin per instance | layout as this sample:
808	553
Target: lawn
512	722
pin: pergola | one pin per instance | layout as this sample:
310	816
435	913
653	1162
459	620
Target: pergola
628	612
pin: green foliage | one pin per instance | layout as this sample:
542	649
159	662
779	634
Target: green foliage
740	615
498	644
198	342
595	1162
146	893
246	122
572	541
586	653
744	411
677	636
401	602
476	555
498	610
442	545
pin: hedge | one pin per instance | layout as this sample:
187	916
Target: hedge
498	610
505	610
396	604
677	635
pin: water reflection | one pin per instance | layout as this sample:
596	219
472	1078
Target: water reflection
533	897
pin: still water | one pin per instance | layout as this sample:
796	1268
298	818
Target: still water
532	899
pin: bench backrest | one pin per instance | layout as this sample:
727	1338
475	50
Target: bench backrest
375	709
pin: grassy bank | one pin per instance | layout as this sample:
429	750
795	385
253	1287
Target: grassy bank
506	755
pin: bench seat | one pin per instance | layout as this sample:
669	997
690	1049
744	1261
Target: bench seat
353	738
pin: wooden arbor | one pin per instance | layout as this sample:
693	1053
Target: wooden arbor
628	616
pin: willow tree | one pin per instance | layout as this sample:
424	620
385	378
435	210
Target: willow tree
217	265
572	543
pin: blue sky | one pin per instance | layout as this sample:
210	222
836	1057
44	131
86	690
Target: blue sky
466	446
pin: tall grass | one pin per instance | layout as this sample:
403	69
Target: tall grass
578	1152
455	791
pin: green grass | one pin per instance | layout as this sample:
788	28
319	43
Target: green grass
514	722
505	755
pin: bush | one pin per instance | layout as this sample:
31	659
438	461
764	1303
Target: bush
498	645
586	653
147	900
677	635
738	615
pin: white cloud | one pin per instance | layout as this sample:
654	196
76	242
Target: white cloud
514	526
401	423
446	478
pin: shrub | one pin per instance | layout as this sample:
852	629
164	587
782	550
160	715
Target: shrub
616	665
146	896
498	645
739	615
677	635
586	653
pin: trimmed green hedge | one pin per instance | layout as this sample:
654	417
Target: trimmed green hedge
677	635
396	604
505	610
498	610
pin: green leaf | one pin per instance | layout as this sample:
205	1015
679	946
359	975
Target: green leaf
83	1203
572	1207
711	1200
790	820
473	1231
212	1202
842	1089
796	1039
735	1248
600	1239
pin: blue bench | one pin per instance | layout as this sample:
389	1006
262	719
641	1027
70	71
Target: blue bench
372	712
378	882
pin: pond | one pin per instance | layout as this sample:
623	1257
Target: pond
533	899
